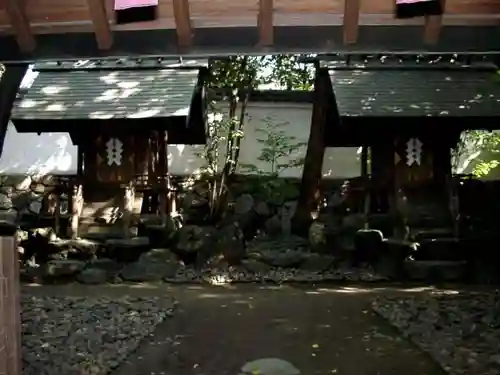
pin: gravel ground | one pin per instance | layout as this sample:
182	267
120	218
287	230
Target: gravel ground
274	275
461	331
85	336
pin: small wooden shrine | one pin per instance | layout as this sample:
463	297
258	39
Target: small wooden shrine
407	113
121	114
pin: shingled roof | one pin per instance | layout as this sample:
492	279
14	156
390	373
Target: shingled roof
416	93
159	97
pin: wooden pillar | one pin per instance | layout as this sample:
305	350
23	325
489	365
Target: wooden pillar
366	184
76	208
164	183
128	207
311	176
383	158
57	210
76	197
10	308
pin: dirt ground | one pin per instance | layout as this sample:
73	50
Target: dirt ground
322	331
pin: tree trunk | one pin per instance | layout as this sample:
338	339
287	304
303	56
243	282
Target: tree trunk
311	176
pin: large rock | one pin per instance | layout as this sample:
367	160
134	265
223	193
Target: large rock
159	235
63	268
269	366
272	225
368	244
159	255
230	242
255	266
93	276
434	271
323	236
246	216
20	183
192	240
244	204
99	271
286	259
9	216
127	250
79	249
5	202
262	209
154	265
195	207
317	262
148	271
286	213
278	251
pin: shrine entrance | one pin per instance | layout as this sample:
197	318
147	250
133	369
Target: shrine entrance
401	111
121	114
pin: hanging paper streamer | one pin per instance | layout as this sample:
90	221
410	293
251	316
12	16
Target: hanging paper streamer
413	152
418	8
128	11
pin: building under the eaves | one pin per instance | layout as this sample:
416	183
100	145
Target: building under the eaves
121	115
408	113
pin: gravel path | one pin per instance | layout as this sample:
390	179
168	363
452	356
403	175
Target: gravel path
461	331
321	331
85	336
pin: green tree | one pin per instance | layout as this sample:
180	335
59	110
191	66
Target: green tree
230	85
279	153
480	147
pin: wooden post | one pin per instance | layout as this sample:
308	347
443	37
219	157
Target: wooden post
265	23
76	198
183	25
57	208
76	209
128	207
10	309
311	176
164	183
366	184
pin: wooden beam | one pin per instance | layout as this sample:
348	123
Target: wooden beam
432	28
21	25
266	23
351	21
183	23
102	28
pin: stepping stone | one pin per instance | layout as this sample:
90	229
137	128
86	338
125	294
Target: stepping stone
269	366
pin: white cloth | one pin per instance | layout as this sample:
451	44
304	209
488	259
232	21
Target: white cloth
127	4
399	2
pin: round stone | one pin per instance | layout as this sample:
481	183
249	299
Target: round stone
269	366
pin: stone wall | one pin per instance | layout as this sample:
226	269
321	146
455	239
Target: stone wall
22	197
